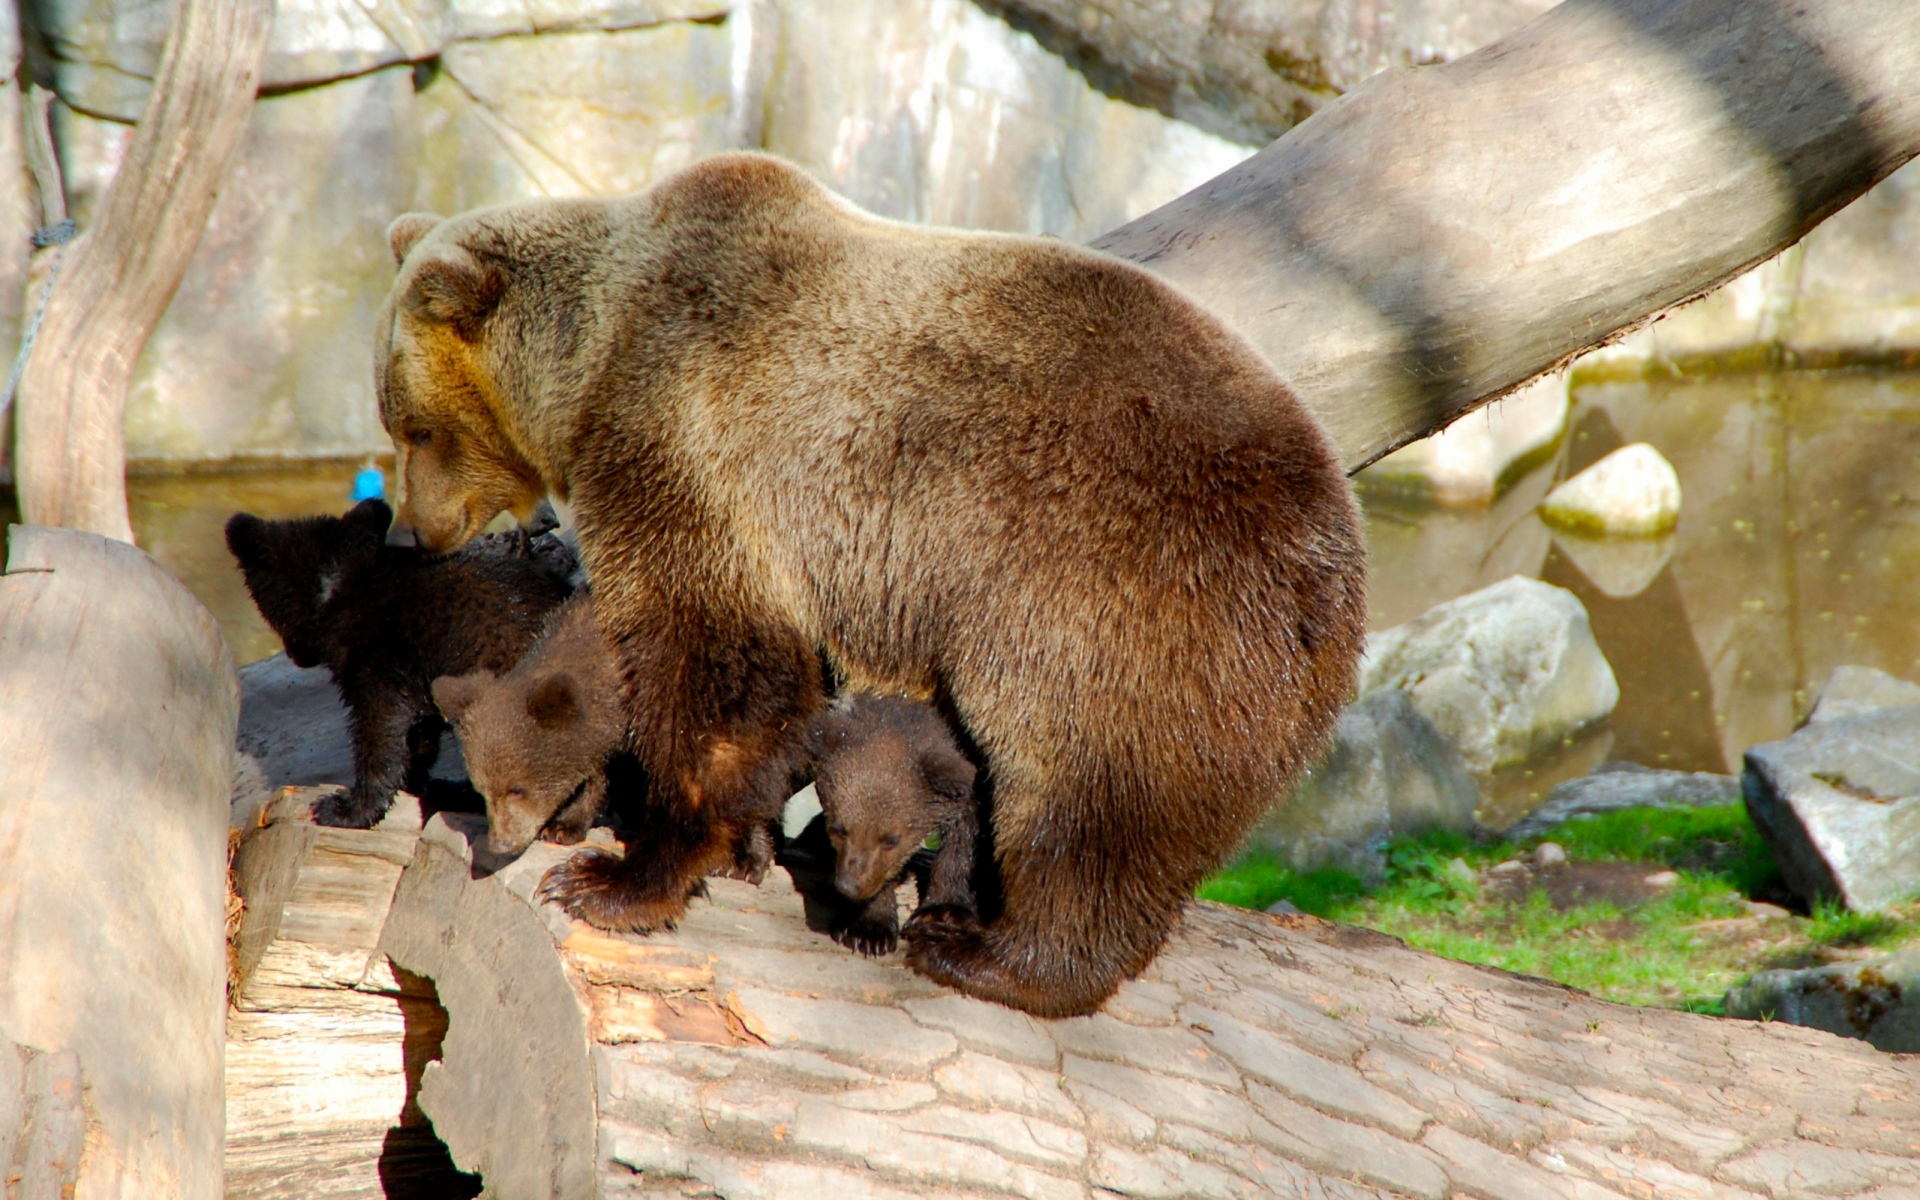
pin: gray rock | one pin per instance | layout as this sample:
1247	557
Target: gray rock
1503	672
1839	802
1852	691
1877	1000
1621	785
1389	773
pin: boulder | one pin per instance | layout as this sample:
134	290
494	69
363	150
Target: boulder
1504	672
1878	1000
1839	802
1389	773
1472	460
1632	492
1852	691
1621	785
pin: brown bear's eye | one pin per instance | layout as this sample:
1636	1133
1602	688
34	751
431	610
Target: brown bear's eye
420	437
891	840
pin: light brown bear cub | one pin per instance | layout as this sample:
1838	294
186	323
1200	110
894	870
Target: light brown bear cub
890	776
540	740
1025	477
537	739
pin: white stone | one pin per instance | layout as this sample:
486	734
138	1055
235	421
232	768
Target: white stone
1503	672
1468	461
1854	691
1549	854
1633	492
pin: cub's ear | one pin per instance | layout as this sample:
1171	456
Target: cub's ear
948	773
245	533
455	694
829	733
407	229
371	515
453	286
555	700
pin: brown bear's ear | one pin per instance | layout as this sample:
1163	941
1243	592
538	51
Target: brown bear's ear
455	287
406	230
454	694
555	700
948	773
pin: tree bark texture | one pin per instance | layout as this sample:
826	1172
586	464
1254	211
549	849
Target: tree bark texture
117	278
743	1055
1252	71
1442	234
116	768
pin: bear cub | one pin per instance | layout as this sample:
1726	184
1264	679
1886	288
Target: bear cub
538	738
891	777
386	621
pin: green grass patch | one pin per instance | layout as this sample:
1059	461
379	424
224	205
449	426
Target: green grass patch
1594	924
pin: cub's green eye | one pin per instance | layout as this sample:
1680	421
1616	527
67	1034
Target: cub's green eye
932	842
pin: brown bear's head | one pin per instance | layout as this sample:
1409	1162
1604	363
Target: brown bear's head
889	772
528	743
457	465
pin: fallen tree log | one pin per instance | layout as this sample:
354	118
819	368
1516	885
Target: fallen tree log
743	1055
1440	235
116	767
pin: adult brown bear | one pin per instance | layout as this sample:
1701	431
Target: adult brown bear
1031	482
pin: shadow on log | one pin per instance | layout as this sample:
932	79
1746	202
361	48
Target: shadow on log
744	1056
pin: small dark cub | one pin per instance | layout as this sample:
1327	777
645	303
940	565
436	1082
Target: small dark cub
386	621
891	776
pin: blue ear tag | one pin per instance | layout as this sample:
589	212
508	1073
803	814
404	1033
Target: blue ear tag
369	484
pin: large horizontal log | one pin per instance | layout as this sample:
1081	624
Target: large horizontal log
743	1055
1442	234
1251	72
116	764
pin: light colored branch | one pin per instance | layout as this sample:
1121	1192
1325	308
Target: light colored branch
1442	234
120	274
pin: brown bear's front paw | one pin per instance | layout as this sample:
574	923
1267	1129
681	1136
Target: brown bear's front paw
870	938
342	810
941	938
601	890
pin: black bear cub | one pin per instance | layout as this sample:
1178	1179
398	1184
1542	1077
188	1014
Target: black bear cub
891	777
386	621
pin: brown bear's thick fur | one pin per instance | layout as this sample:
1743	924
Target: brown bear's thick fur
1031	482
889	775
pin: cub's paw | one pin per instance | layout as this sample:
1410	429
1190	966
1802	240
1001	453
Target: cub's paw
601	890
872	939
342	810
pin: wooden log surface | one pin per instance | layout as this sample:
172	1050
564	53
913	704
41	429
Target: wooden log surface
743	1055
116	765
1440	235
43	1125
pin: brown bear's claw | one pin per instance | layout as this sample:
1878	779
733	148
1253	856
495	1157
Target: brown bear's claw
872	939
592	887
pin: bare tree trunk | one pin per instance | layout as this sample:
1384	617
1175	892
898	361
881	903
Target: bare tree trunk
1442	234
116	769
118	277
